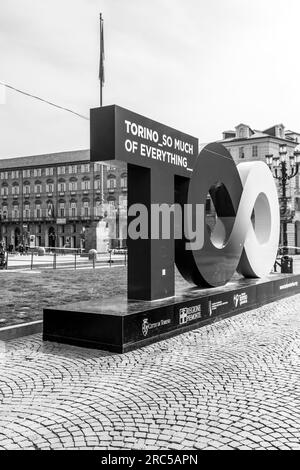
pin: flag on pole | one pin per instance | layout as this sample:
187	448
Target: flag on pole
102	56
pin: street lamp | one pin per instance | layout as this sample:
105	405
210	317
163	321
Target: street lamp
279	167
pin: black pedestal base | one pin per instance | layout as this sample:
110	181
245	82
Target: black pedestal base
120	325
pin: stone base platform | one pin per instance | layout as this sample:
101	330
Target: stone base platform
120	325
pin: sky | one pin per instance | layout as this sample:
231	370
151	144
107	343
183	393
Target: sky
197	65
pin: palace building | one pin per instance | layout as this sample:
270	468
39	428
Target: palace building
246	145
50	200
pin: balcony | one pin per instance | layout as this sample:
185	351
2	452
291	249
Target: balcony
85	192
111	190
73	193
61	193
50	194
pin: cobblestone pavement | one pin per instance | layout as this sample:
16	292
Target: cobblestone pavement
231	385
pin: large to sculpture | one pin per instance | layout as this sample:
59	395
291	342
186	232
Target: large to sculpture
246	235
168	176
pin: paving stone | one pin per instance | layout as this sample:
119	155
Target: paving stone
230	385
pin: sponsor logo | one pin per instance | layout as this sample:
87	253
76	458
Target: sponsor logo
188	314
240	299
146	326
288	286
213	306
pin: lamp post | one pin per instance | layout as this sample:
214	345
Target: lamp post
278	166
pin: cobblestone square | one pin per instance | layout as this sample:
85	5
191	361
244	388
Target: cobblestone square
230	385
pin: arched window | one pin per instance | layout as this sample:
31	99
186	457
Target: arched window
97	182
26	187
62	208
124	181
37	187
38	209
85	184
85	210
111	182
61	185
15	188
4	189
16	213
4	211
49	186
98	207
73	184
73	208
26	211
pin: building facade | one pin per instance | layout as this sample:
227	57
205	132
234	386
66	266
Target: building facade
246	144
50	200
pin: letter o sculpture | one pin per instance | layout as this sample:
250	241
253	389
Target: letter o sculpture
246	234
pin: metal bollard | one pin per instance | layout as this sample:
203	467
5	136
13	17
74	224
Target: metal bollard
75	261
31	263
125	260
54	260
94	262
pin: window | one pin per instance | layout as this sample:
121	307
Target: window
4	190
124	181
49	186
62	210
73	185
4	175
61	186
97	183
72	169
15	212
85	185
111	182
85	168
61	170
37	172
254	151
49	171
38	211
86	209
26	173
15	174
16	189
27	211
26	188
241	152
97	166
73	209
5	212
38	188
98	208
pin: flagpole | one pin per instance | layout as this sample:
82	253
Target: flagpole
101	60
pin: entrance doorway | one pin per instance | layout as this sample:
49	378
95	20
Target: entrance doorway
51	237
17	237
